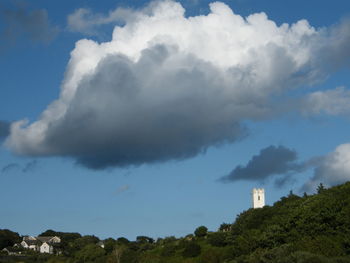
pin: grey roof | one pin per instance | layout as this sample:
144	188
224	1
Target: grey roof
44	239
26	238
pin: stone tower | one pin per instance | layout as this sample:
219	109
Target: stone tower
258	197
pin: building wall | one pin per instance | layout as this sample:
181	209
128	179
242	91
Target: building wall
258	197
24	244
46	248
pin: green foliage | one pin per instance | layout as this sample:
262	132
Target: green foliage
89	254
211	255
217	239
109	245
79	244
191	249
8	238
144	239
168	250
129	256
201	231
48	233
123	240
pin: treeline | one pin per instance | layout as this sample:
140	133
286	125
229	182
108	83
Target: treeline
308	229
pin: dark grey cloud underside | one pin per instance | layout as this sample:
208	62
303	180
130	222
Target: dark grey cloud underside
100	135
270	161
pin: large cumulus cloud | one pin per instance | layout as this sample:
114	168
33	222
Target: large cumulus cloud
168	86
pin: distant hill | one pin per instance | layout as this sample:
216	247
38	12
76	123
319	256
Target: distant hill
314	228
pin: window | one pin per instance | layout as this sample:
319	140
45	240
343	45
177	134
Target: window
258	197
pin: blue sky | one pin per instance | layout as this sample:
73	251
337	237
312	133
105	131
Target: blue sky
173	194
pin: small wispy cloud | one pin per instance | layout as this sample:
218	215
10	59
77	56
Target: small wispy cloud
24	168
122	189
331	102
19	21
30	166
85	21
10	167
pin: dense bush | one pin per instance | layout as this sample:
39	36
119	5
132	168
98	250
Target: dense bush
192	249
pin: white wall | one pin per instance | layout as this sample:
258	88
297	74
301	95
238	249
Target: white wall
258	197
45	248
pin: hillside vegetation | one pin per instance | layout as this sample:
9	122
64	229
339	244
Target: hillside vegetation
308	229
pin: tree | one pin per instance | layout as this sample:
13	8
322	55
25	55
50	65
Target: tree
118	252
49	233
123	240
82	242
8	238
144	239
109	245
320	188
90	253
201	231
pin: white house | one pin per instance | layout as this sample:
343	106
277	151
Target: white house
30	244
46	248
41	244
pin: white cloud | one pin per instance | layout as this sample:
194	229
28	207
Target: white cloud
333	169
332	102
83	20
168	86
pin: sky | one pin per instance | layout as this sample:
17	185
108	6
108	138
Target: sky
128	118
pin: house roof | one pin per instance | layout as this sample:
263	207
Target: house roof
39	240
44	239
25	238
